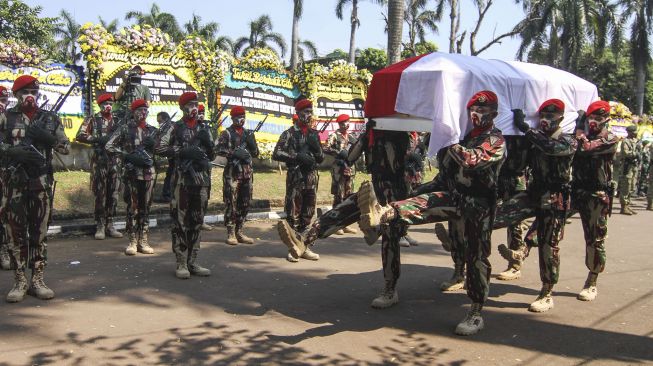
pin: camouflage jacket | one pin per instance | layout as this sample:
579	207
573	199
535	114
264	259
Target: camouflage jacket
337	142
629	155
291	142
550	161
228	141
129	139
592	168
90	131
512	176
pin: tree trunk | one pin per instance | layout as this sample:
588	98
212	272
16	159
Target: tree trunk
640	86
453	15
352	37
295	43
395	29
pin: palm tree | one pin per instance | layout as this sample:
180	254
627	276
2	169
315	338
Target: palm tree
111	27
298	8
206	31
68	31
395	28
419	21
224	43
306	48
260	36
454	16
355	22
158	19
642	13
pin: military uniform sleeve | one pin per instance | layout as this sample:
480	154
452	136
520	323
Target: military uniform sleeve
63	144
282	151
223	146
629	149
253	151
602	145
114	145
487	153
357	148
85	132
332	147
565	145
165	145
319	154
4	145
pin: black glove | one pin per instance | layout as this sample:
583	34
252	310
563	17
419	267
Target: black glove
41	136
518	119
342	155
192	153
137	160
102	140
305	159
24	155
148	143
204	138
242	154
580	120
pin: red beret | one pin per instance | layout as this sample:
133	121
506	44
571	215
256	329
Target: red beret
3	92
484	98
138	103
237	111
295	117
187	97
552	105
342	118
200	108
104	97
23	82
303	104
600	107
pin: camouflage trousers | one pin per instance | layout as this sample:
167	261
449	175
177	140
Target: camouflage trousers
649	180
105	185
550	226
187	209
301	198
137	194
593	208
626	187
26	212
237	194
341	186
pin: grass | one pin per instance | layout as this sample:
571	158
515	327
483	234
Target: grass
74	198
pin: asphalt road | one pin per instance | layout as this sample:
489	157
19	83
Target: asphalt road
257	308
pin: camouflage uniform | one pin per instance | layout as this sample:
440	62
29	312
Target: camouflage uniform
105	168
342	173
415	155
629	158
238	176
644	167
649	191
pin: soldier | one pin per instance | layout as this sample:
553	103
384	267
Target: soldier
134	141
5	261
190	142
299	147
105	167
200	117
593	188
414	172
238	145
471	172
629	157
130	90
645	160
28	136
342	173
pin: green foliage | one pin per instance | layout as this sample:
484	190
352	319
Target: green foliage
21	22
337	54
420	49
372	59
613	76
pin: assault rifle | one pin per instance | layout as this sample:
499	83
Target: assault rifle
217	116
327	124
243	144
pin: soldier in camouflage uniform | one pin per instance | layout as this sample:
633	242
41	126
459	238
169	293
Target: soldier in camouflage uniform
28	136
190	142
644	167
238	145
471	171
342	174
134	142
5	260
165	122
201	112
630	163
105	167
593	189
299	147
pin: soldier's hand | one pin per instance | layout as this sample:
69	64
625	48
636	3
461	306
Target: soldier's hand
192	153
305	159
136	159
41	136
242	154
343	155
519	119
204	138
148	143
25	156
580	120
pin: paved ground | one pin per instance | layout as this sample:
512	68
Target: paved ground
259	309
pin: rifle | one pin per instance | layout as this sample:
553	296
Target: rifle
327	124
243	144
218	115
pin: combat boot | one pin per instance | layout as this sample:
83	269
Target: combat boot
111	230
371	212
589	291
5	259
143	246
242	238
473	322
194	268
99	230
182	271
310	255
411	241
131	248
626	210
19	290
387	298
206	227
649	204
38	288
443	235
350	230
291	258
339	232
231	236
403	242
457	281
544	301
514	259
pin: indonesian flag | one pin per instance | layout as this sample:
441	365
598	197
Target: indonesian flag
430	93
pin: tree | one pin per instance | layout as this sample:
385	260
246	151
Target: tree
22	22
224	43
454	17
419	21
306	48
68	32
205	31
355	22
111	27
373	59
158	19
421	48
483	6
641	12
395	28
260	36
337	54
298	8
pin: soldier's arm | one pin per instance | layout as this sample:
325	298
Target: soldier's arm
4	145
114	145
357	148
599	146
254	152
165	145
490	151
629	150
331	147
63	144
85	132
319	154
564	146
223	147
282	151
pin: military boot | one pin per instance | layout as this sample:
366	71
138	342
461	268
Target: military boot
339	232
387	298
292	239
514	258
231	236
143	245
206	227
350	230
589	291
457	281
5	259
194	268
38	288
241	237
111	230
131	248
99	230
544	301
625	210
310	255
649	204
473	322
182	268
19	290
